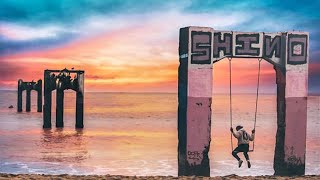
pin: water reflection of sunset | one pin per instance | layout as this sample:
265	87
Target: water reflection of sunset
60	146
140	136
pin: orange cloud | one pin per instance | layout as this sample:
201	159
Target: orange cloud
133	59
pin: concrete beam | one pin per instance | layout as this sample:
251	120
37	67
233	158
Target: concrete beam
247	44
58	71
273	48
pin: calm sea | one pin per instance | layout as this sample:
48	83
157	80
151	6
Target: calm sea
136	134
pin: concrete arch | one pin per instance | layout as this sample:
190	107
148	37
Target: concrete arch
199	49
28	87
60	82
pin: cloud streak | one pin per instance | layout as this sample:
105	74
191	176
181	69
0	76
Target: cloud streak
132	46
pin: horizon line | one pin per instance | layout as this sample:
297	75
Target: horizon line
161	92
155	92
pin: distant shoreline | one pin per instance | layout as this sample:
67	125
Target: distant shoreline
66	176
310	94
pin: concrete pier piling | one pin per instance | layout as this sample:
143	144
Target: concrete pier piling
59	107
39	99
199	49
61	80
28	87
79	101
28	100
292	92
278	164
20	89
195	96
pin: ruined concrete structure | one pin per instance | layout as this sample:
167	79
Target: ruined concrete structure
29	86
199	49
60	81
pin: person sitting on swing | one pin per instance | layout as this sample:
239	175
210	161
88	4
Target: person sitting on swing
243	144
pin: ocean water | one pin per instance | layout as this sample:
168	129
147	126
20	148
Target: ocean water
136	134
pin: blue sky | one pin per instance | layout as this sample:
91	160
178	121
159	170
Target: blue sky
42	27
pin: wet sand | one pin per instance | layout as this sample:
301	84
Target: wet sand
65	176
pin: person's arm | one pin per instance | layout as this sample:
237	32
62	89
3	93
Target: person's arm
235	134
251	137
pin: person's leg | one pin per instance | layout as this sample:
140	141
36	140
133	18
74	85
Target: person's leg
246	155
247	158
235	154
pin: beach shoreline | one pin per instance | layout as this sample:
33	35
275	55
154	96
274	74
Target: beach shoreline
4	176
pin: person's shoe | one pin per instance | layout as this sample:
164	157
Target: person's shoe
249	164
240	163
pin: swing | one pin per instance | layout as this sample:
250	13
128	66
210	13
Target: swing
230	101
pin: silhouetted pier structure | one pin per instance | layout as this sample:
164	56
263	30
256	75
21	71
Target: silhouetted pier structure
28	87
61	80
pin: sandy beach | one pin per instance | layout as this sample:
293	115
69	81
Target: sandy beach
65	176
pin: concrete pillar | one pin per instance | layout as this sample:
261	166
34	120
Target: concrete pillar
195	97
39	91
278	164
79	101
28	100
59	105
47	100
291	133
20	89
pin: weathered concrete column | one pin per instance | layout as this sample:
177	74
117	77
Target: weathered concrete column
59	105
194	96
47	100
28	100
279	165
20	89
79	101
291	133
39	91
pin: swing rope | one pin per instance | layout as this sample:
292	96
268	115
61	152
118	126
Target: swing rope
230	101
257	98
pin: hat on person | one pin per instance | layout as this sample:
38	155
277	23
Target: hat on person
239	127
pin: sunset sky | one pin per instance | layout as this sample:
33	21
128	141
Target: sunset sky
132	46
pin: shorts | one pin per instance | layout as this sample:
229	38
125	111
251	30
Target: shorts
242	148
